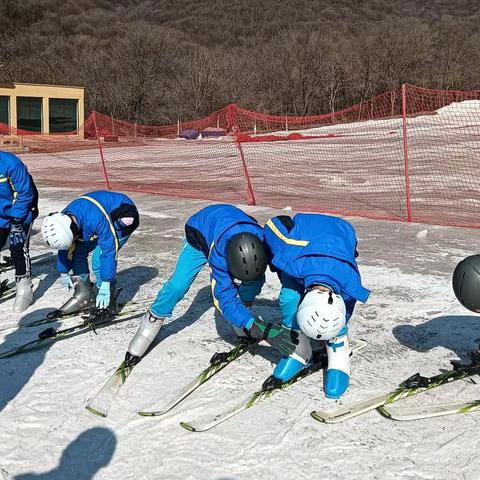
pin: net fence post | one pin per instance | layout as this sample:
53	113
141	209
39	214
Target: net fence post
405	153
102	158
246	174
233	124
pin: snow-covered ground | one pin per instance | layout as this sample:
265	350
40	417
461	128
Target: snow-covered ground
412	323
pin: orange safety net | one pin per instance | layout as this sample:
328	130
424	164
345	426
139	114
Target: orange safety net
409	154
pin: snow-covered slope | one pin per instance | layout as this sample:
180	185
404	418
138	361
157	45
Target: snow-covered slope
412	323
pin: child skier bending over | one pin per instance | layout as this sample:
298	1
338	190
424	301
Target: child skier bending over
314	256
231	243
101	222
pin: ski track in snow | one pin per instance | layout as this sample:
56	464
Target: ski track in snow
412	323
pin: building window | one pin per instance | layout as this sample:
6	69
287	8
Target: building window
63	115
29	114
5	110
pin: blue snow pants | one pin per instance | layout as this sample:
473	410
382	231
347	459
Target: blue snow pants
190	262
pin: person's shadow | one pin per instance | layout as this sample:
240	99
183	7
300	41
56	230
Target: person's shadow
91	451
459	334
44	285
132	279
200	304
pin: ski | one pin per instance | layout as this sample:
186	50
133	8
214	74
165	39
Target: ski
57	315
101	402
96	319
412	386
258	396
403	413
218	362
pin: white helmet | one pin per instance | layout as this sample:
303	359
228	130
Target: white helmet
57	232
321	314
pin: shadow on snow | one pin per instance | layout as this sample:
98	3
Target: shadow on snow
91	451
19	369
456	333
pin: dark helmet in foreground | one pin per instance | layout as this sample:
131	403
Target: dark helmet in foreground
246	257
466	283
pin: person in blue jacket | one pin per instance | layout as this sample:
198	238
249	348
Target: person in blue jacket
314	256
18	210
231	243
101	222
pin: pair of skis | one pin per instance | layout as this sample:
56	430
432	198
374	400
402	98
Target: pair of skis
410	387
95	319
103	400
58	316
251	400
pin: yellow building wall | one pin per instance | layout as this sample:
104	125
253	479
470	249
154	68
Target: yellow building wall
14	90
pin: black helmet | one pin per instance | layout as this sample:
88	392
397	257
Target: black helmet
246	257
466	283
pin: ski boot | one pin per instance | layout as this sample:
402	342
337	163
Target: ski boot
114	306
83	298
289	367
337	377
24	294
147	331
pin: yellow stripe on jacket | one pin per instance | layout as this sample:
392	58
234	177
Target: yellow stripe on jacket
279	234
112	229
215	301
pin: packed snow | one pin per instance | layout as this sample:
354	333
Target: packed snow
412	322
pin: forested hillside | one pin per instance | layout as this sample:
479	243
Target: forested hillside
154	61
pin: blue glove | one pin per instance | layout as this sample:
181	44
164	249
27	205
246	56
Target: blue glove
103	296
67	281
17	234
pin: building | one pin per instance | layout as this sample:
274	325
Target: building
43	109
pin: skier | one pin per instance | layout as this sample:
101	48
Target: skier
101	222
231	242
314	256
18	210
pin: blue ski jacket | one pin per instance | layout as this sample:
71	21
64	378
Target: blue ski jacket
98	215
210	231
18	194
317	249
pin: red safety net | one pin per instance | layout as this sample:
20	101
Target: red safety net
409	154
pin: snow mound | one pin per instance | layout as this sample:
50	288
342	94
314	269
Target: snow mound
467	107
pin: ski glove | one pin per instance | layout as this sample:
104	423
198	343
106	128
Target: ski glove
103	296
17	232
281	338
67	282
